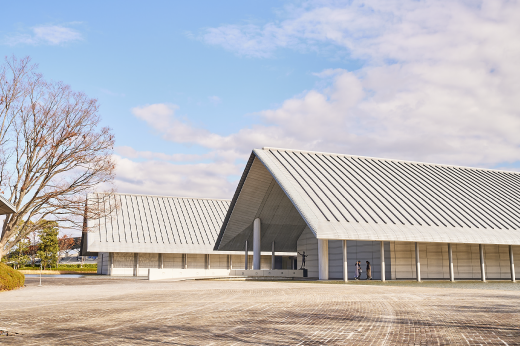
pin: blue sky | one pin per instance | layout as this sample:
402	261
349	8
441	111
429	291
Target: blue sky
190	88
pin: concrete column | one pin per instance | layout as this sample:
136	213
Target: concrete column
245	258
136	264
345	267
323	259
272	257
185	261
450	255
482	265
209	261
512	263
417	263
161	261
256	244
383	261
110	263
230	262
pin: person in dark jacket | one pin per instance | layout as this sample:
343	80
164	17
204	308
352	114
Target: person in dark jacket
369	271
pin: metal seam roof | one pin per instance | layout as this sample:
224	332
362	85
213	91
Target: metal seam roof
354	197
152	223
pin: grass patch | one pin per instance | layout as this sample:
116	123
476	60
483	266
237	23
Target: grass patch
10	278
68	267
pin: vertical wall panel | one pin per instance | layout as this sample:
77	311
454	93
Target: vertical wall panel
196	261
148	260
172	261
123	260
265	262
308	243
336	259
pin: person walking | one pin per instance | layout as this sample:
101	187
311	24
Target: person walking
357	269
369	271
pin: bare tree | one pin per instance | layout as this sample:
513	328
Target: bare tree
55	153
16	78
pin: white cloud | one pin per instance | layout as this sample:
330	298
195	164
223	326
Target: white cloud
45	34
208	180
131	153
439	84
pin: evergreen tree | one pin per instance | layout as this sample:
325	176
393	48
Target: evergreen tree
49	245
21	255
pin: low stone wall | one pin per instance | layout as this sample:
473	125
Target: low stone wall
288	273
161	274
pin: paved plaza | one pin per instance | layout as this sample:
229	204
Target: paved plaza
107	311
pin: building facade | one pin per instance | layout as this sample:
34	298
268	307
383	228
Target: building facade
410	220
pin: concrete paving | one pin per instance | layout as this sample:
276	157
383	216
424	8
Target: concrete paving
103	311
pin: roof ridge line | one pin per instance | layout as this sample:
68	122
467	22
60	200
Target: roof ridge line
139	194
392	160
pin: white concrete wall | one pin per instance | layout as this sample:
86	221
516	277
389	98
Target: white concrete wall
265	262
160	274
196	261
277	272
363	251
356	250
172	261
239	263
308	243
218	261
466	261
123	264
147	261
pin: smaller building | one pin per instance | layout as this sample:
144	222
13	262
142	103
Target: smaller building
173	234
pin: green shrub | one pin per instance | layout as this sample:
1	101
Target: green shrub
10	278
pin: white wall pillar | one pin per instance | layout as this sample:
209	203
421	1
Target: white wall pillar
209	261
256	244
161	261
273	257
417	263
110	263
230	261
246	258
185	261
512	263
383	261
345	267
482	265
323	259
136	264
450	256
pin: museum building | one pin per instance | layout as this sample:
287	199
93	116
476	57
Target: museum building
410	220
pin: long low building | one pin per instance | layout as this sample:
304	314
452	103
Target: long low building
166	233
410	220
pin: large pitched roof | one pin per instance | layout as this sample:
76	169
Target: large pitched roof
353	197
156	224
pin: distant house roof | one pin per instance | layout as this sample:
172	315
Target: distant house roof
155	224
361	198
6	207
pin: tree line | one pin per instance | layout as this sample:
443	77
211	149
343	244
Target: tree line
44	244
